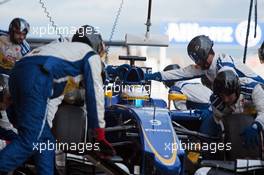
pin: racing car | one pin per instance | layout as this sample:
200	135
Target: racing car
137	126
148	136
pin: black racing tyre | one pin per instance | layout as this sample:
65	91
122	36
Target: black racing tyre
234	126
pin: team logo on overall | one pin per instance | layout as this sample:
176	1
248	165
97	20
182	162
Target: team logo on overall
155	122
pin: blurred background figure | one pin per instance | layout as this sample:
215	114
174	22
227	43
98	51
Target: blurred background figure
13	45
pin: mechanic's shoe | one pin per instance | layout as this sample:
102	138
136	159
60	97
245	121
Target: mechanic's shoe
106	150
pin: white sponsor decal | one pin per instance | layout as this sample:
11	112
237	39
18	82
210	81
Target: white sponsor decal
183	32
241	31
155	122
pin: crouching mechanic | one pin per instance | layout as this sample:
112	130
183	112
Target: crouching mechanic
198	96
42	76
234	95
13	45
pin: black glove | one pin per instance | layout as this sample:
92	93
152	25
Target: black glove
118	71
